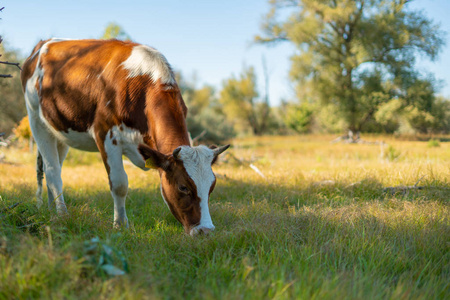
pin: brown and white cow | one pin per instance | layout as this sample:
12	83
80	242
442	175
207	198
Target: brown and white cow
119	98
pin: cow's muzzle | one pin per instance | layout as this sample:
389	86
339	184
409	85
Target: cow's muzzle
200	230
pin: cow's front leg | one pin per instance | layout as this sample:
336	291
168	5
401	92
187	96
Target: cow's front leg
111	153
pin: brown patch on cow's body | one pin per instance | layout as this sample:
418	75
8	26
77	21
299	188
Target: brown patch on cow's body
80	77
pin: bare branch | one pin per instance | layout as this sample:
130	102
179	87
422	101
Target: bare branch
198	137
419	180
405	189
11	64
10	207
5	76
271	40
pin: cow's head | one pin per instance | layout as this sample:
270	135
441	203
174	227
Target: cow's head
187	180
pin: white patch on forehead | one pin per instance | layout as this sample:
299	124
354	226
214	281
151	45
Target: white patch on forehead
145	60
197	162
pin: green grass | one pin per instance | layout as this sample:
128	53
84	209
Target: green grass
319	226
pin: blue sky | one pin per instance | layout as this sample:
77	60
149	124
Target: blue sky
208	39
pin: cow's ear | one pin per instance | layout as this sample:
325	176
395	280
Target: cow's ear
153	158
217	151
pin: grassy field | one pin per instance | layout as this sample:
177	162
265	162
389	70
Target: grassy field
318	226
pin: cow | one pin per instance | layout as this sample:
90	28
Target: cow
117	98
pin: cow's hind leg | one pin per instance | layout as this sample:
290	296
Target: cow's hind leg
118	180
48	149
62	153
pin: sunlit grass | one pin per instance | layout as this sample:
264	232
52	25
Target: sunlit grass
319	225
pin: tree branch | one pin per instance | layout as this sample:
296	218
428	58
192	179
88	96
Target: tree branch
271	40
10	207
11	64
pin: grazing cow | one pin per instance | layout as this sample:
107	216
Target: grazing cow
118	98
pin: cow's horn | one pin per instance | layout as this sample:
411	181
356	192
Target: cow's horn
219	150
176	152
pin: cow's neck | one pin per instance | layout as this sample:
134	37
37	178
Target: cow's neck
168	127
166	143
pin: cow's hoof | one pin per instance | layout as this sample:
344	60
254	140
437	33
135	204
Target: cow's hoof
61	210
121	224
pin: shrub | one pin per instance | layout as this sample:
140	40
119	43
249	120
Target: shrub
299	117
433	143
23	130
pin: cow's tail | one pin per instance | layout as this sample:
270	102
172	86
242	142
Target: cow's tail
39	177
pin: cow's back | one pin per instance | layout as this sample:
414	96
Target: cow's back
75	80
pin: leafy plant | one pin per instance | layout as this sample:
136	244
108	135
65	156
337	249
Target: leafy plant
392	154
104	258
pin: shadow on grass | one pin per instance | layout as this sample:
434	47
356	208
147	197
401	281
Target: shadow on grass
93	208
90	210
332	193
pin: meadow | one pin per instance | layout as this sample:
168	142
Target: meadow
318	225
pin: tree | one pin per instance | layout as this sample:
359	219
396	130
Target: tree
351	50
115	31
205	114
12	104
240	101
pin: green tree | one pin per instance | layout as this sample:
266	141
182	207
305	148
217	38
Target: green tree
241	103
298	117
115	31
205	113
349	49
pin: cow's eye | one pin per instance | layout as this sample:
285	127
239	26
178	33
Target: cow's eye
183	189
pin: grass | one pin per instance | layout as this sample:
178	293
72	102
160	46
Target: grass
319	226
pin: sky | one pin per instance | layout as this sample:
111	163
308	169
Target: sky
206	40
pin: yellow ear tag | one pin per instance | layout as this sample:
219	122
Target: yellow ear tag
149	164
